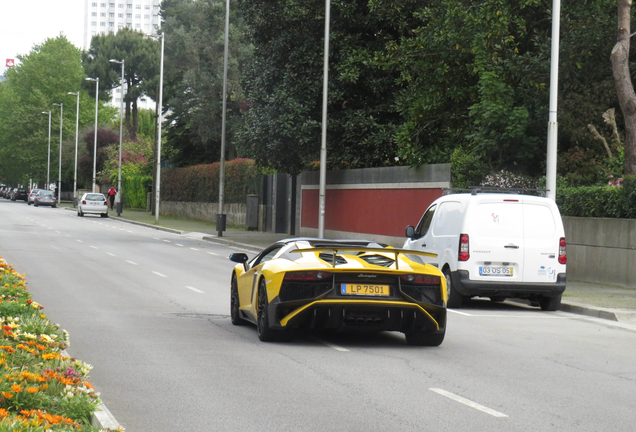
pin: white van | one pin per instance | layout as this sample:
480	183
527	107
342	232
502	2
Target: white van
497	245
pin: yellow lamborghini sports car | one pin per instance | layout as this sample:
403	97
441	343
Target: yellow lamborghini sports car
338	284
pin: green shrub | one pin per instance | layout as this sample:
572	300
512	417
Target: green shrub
598	201
134	189
200	183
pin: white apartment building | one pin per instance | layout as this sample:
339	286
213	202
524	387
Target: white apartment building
108	16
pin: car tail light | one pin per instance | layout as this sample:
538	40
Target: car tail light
83	202
562	254
420	279
105	203
464	250
306	275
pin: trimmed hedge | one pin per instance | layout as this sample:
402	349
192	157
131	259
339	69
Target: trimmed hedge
599	201
200	183
134	190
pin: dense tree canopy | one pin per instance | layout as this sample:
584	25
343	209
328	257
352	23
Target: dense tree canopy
195	41
43	77
141	67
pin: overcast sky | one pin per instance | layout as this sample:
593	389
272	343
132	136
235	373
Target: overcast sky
29	22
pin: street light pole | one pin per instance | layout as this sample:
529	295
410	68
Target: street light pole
76	141
551	162
59	184
220	217
160	119
121	133
95	140
48	159
323	145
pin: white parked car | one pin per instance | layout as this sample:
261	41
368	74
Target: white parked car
92	203
496	245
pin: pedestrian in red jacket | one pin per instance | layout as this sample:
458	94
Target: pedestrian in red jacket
111	196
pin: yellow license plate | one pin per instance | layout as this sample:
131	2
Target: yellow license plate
365	289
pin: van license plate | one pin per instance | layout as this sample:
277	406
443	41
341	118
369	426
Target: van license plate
495	271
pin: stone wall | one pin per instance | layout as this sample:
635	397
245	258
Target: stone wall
601	250
205	212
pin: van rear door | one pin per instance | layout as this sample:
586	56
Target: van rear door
496	240
542	231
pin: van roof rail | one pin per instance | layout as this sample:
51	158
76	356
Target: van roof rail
474	190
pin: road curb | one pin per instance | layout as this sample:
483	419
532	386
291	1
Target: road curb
592	311
225	242
147	225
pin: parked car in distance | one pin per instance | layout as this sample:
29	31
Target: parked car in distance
45	198
489	243
92	203
20	194
308	283
32	194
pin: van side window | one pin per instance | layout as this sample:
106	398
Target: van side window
425	222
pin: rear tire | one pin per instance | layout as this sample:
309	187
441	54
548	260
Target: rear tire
422	338
550	303
455	299
265	332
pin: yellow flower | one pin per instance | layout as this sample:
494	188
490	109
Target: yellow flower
7	395
16	388
33	390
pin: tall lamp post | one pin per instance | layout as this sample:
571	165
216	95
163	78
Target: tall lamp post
323	145
121	132
220	217
95	141
160	119
59	184
76	141
48	159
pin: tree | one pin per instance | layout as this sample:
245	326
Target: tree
624	87
44	76
193	95
141	70
284	85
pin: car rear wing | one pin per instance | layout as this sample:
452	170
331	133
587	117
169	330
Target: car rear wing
335	249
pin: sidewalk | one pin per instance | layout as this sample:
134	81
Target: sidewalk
596	300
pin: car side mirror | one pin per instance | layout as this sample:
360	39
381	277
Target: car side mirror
410	232
240	258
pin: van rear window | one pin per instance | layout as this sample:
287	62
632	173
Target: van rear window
498	220
539	222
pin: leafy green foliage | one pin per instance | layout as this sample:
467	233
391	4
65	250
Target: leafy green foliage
599	201
200	183
193	98
135	188
43	77
141	68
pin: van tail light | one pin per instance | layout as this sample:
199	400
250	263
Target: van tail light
83	202
464	250
562	254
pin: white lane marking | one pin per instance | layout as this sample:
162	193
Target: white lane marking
177	244
468	402
94	247
111	254
458	312
330	345
131	262
129	231
156	238
194	249
212	253
167	241
159	274
58	232
79	241
195	290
